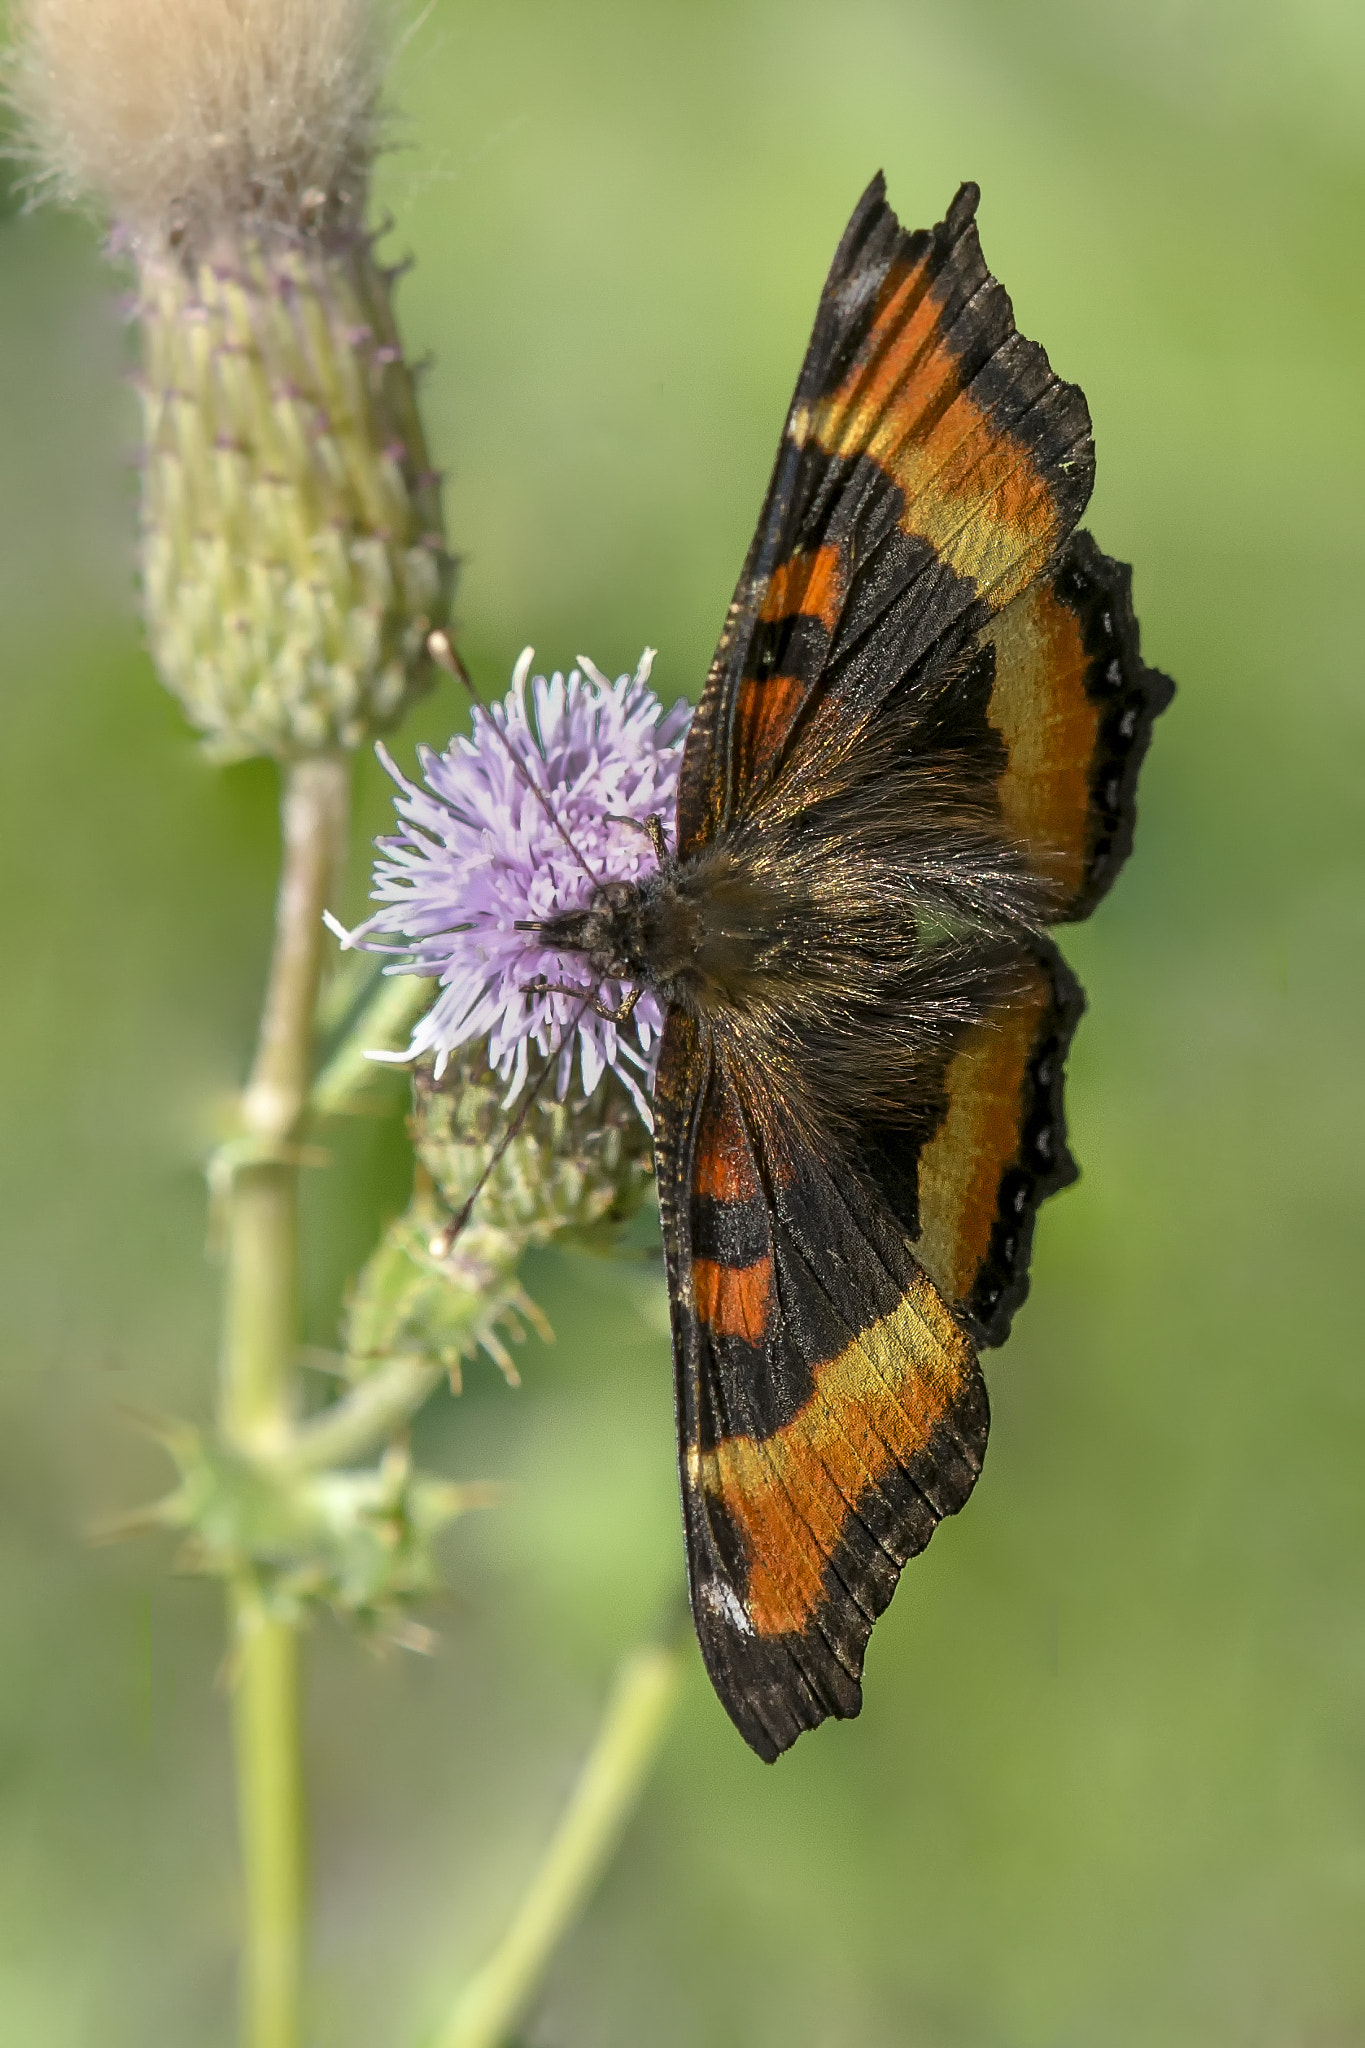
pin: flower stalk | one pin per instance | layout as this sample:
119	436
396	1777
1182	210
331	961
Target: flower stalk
606	1792
265	1727
347	1080
368	1416
258	1394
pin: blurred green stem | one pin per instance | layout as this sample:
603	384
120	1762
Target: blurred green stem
364	1418
609	1785
265	1720
390	1011
257	1392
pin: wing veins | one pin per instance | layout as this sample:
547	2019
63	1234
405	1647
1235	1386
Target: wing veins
761	1444
809	1678
936	405
845	652
894	1462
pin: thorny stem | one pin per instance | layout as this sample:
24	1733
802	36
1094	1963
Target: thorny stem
257	1408
378	1405
257	1394
608	1787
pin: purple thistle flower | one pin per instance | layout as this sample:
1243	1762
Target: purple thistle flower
479	849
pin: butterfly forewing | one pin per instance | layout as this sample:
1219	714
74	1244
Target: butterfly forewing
930	467
1074	703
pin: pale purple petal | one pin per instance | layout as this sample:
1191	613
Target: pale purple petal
503	831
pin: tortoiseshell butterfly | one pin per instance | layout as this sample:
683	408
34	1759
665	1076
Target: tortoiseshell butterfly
917	748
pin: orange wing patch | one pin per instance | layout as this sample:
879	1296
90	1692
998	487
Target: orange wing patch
873	1410
1000	1149
724	1157
1050	727
810	584
733	1301
961	1167
973	492
765	712
1074	703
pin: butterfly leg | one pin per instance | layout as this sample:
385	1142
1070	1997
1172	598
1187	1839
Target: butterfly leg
541	987
652	827
622	1010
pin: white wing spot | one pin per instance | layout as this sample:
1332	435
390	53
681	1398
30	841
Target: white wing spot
722	1600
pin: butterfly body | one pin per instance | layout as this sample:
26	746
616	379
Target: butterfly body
840	933
917	749
696	932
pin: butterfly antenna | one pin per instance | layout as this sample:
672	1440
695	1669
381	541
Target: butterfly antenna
442	651
444	1239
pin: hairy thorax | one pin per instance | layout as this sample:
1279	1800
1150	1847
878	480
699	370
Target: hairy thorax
701	932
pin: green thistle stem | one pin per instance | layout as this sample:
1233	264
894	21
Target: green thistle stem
257	1393
265	1720
608	1787
365	1418
384	1024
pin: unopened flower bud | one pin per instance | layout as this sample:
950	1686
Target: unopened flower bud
293	553
582	1165
576	1172
415	1299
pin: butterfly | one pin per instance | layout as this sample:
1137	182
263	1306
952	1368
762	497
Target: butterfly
916	750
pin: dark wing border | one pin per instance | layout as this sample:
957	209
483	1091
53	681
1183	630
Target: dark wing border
1131	696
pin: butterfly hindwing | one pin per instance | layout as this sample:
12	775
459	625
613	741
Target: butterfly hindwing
830	1407
930	467
967	1175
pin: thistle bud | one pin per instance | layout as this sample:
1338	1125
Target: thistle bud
417	1299
580	1166
293	553
576	1172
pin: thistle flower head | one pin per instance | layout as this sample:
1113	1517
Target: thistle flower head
184	117
517	822
293	552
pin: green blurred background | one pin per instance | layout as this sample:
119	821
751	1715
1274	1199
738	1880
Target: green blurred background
1109	1783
